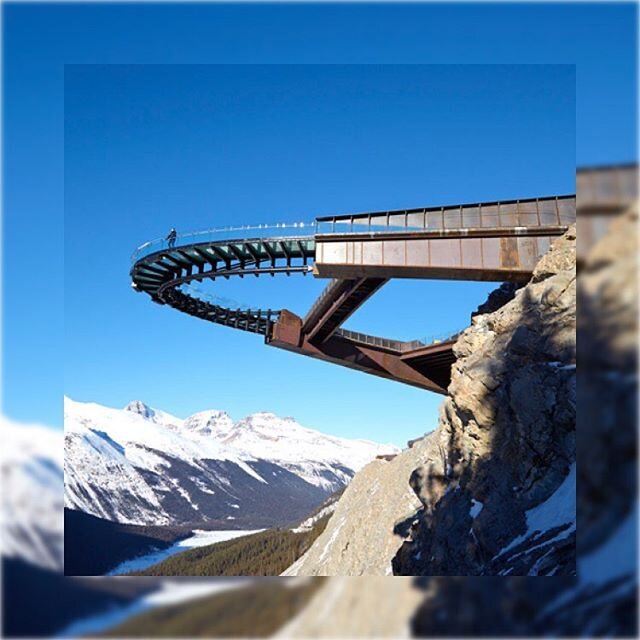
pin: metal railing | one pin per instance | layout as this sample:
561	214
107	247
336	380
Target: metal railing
395	345
226	233
554	211
327	292
537	212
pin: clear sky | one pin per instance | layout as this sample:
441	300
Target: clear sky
99	158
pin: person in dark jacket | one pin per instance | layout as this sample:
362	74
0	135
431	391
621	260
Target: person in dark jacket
173	234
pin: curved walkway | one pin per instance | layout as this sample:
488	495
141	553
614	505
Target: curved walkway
162	272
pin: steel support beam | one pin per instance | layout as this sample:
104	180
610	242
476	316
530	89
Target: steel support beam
287	334
338	301
506	257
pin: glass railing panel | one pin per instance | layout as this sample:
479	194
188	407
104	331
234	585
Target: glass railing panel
608	186
548	212
585	187
470	217
508	215
489	216
342	226
435	219
527	214
324	227
628	181
416	220
228	233
397	220
567	210
453	218
361	224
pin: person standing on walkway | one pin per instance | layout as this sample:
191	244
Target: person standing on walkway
173	234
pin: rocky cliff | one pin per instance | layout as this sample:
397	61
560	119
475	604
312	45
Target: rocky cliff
602	599
500	499
494	485
345	607
353	544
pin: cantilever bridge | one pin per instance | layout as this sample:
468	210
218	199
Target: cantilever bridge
492	241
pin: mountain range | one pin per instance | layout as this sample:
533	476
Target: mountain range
140	465
32	499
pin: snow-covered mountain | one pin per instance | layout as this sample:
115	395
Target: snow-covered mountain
144	466
32	494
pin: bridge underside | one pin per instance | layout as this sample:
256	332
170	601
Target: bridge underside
424	366
362	263
319	336
338	301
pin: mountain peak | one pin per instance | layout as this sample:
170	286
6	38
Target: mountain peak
139	407
128	465
267	418
214	421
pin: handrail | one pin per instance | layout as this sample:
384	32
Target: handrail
395	345
450	207
531	212
220	234
324	294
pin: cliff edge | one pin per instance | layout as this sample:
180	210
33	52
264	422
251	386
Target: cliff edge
491	491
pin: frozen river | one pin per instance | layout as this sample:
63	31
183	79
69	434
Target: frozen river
200	538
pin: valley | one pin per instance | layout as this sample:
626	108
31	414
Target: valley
142	485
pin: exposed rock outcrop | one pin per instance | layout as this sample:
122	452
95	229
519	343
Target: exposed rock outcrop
502	498
497	298
351	608
494	485
602	599
371	520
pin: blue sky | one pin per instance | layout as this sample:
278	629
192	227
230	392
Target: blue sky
99	158
148	147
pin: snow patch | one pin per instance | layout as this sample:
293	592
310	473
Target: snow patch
558	510
476	508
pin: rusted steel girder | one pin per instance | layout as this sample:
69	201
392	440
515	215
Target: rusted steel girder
334	306
502	255
287	334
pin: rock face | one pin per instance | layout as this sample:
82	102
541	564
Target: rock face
370	521
602	599
533	472
373	608
497	298
607	394
500	497
494	485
